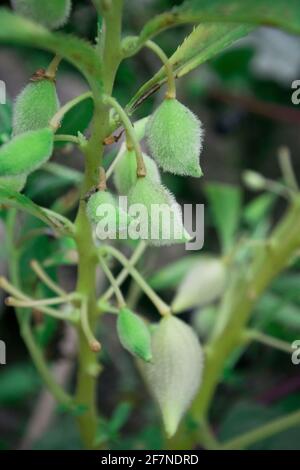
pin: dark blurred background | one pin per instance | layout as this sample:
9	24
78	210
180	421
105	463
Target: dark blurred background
243	98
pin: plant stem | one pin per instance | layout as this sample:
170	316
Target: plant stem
237	306
66	138
139	251
43	276
88	260
274	427
141	169
114	285
161	306
53	67
24	322
253	335
171	93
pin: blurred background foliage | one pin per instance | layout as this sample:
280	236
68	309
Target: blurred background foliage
243	98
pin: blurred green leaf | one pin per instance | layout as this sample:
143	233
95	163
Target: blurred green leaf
171	275
21	202
259	208
17	382
203	43
225	203
77	119
18	30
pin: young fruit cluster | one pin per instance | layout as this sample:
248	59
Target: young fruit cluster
32	142
50	13
175	136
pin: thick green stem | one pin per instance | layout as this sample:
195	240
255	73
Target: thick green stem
88	367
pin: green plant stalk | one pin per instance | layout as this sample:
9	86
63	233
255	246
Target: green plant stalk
274	427
86	283
160	305
235	311
24	323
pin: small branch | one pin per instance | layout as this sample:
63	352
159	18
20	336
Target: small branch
86	328
66	138
171	93
161	306
124	273
274	427
114	285
141	169
39	271
253	335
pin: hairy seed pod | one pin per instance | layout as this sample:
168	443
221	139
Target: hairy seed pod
175	373
26	152
15	183
134	334
203	284
175	138
35	106
103	212
125	173
156	213
50	13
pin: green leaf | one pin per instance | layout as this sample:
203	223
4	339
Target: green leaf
277	13
19	201
21	31
171	275
17	382
225	203
202	44
259	208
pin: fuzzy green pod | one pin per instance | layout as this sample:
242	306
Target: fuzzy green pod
175	138
125	173
109	218
26	152
202	285
134	334
16	183
175	372
35	106
50	13
157	216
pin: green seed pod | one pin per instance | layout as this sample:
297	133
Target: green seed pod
157	216
203	284
254	181
134	334
35	106
175	372
175	138
103	212
125	172
26	152
50	13
16	183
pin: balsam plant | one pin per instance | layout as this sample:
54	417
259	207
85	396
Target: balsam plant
181	373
